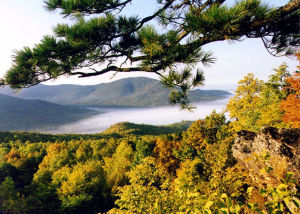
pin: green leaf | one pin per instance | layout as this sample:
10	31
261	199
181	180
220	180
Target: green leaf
250	189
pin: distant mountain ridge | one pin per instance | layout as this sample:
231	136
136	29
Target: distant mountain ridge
34	115
134	92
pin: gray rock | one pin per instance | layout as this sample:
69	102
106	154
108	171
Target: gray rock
283	146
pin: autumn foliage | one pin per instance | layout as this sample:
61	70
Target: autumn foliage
291	105
257	103
124	171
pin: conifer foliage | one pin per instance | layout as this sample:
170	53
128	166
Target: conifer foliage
104	40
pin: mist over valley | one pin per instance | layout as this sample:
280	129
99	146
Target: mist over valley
92	109
154	116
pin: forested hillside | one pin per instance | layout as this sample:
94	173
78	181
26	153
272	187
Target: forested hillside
192	171
33	115
138	91
208	166
229	162
126	128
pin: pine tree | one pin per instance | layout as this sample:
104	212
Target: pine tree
109	41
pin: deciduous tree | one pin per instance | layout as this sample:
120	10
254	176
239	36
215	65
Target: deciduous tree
257	103
291	105
119	165
271	95
243	106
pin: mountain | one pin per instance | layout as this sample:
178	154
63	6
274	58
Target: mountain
139	91
115	131
126	128
29	115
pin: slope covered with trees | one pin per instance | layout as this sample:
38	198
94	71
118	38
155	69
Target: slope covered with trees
189	172
140	91
33	115
146	169
126	128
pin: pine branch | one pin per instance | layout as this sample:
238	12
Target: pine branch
108	69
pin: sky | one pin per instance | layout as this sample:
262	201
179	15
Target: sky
24	23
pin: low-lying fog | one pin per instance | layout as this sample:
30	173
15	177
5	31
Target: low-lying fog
155	116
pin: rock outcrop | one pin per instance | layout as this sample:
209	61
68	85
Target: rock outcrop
276	150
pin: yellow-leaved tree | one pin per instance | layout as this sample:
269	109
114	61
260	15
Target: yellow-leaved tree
271	95
243	106
257	103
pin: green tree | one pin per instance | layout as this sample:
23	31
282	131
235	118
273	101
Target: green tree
82	188
11	200
243	106
272	93
257	103
148	190
42	198
107	38
119	165
212	129
58	156
144	148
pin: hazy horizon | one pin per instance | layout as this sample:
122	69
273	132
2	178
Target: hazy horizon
163	115
226	87
26	22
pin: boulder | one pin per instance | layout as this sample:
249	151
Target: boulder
269	153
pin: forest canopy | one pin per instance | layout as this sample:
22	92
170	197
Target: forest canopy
193	171
199	167
104	40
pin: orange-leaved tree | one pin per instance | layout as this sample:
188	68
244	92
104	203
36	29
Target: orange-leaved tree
291	105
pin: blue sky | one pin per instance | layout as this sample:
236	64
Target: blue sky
23	23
